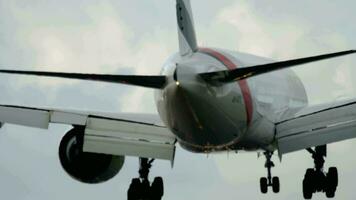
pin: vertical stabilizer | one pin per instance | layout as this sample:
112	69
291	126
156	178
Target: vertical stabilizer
186	32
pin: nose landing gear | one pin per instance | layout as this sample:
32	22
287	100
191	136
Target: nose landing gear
268	181
316	180
141	189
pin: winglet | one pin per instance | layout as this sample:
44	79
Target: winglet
186	32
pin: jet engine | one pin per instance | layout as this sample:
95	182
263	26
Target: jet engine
83	166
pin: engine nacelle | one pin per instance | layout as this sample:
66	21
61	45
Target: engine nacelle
83	166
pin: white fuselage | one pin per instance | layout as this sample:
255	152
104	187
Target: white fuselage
237	115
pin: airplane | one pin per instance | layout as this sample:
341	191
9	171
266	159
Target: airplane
208	100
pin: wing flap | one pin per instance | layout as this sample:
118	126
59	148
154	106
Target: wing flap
120	146
318	128
130	130
26	117
62	117
39	117
127	138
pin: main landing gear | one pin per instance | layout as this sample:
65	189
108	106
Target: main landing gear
141	189
316	180
268	181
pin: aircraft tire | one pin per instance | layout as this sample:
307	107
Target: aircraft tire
308	186
263	185
135	190
332	182
275	184
333	176
157	188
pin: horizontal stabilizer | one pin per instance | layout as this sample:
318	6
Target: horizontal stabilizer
144	81
247	72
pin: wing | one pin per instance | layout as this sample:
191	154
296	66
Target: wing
140	135
317	126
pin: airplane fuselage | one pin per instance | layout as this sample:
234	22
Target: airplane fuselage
233	116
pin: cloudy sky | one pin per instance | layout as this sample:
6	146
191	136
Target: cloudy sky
135	37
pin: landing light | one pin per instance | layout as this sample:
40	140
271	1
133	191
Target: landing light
177	83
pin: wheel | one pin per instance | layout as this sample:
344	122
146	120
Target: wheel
157	189
331	182
308	184
135	190
263	185
330	193
275	184
145	189
307	192
332	176
310	175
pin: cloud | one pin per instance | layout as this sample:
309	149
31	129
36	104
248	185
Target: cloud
102	44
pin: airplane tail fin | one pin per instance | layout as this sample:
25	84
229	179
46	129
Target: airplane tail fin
186	32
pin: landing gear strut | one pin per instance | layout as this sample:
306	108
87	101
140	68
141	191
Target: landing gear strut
268	181
141	189
315	179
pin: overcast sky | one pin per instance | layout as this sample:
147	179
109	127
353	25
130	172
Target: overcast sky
136	37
